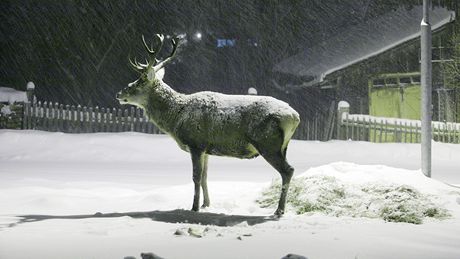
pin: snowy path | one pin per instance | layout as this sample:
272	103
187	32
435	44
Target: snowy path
63	174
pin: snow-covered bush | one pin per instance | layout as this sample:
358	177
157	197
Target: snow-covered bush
329	195
11	116
5	110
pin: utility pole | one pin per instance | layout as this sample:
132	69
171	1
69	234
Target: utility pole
426	81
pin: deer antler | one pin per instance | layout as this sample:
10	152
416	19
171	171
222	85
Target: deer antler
175	43
138	67
152	54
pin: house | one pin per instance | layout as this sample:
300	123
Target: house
9	95
342	65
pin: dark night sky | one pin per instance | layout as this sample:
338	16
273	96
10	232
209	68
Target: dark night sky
77	52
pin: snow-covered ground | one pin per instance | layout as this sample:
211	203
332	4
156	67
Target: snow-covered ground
68	174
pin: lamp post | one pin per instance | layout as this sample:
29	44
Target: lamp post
425	42
30	92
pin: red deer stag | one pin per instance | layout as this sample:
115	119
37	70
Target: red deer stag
210	123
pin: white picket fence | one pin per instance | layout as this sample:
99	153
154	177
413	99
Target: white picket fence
50	116
380	129
77	119
57	117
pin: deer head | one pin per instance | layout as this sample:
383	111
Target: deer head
151	72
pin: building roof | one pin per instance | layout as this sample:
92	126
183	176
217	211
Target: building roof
10	95
360	42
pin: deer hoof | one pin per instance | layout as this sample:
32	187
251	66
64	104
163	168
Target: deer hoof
196	209
279	213
204	206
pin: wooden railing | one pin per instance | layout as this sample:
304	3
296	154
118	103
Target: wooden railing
77	119
381	129
50	116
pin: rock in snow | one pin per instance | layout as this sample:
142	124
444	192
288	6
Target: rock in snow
294	256
195	232
150	256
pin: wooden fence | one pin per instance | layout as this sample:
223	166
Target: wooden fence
380	129
50	116
76	119
320	127
323	126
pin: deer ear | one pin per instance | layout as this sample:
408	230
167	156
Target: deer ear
160	74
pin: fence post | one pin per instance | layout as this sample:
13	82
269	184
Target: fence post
85	120
126	122
59	108
44	117
55	111
97	119
40	116
374	130
132	114
107	120
121	119
52	117
395	132
367	129
138	116
113	120
31	115
144	124
49	116
66	116
342	108
72	119
90	119
360	128
25	120
78	122
446	133
457	133
119	122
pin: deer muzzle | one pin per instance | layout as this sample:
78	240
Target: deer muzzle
120	97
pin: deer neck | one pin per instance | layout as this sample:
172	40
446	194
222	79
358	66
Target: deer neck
163	104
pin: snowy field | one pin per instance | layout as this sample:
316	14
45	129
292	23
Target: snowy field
86	177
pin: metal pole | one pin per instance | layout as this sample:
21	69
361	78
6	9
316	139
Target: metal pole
426	82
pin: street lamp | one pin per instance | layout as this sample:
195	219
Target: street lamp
198	36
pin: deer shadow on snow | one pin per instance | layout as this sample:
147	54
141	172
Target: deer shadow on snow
171	216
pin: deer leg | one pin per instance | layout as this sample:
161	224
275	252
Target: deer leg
285	182
197	162
204	182
278	161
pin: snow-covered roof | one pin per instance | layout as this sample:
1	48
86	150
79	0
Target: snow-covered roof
360	42
10	95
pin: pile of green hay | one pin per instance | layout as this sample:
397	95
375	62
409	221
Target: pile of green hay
328	195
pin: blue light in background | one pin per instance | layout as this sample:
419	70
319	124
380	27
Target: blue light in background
226	43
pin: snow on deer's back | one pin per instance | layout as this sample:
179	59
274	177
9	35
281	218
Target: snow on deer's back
237	120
